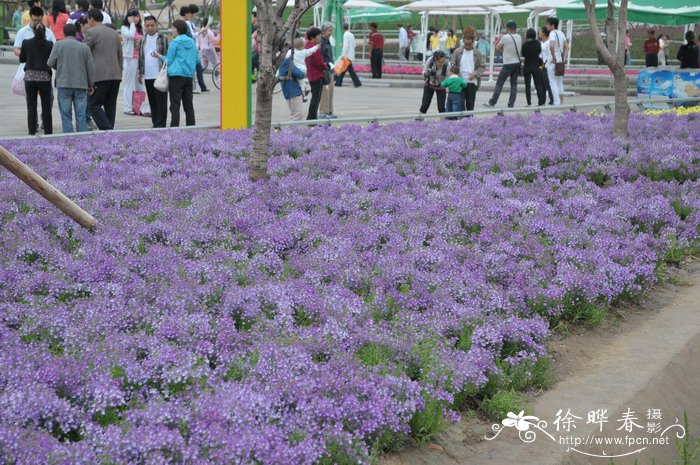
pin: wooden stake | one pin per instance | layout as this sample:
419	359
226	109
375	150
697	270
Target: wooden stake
46	190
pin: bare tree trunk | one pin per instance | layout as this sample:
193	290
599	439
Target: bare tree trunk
614	56
263	124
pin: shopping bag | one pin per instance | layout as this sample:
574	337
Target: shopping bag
137	99
145	109
161	83
341	66
18	82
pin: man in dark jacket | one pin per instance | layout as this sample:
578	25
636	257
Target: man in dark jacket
326	107
688	53
292	90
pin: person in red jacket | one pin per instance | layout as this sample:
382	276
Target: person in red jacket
315	65
651	49
376	41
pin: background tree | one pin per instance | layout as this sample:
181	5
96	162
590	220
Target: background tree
276	35
612	50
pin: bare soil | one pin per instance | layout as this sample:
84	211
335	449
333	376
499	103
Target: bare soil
644	356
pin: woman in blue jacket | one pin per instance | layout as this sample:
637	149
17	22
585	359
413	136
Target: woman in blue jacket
182	62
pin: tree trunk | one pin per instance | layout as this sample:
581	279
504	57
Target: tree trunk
622	108
263	125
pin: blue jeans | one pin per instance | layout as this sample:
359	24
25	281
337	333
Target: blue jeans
67	100
455	102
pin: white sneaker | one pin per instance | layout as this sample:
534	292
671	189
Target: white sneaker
196	91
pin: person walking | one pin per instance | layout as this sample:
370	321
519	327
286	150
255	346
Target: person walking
510	45
206	44
107	55
532	56
182	59
688	52
186	15
348	53
558	49
472	64
132	34
326	108
434	72
376	42
58	18
153	44
315	65
651	49
403	43
35	53
75	78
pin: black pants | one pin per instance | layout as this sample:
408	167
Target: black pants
407	53
470	96
42	89
533	73
200	77
316	89
353	75
376	61
545	84
508	71
180	88
159	104
652	60
103	104
428	99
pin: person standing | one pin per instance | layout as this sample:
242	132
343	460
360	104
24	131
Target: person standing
326	107
471	64
510	45
532	56
663	45
35	53
403	43
17	17
27	14
651	49
291	89
315	65
451	41
411	35
349	54
182	59
688	52
546	57
376	42
36	17
153	44
558	49
186	14
628	47
107	55
58	18
99	5
75	77
456	85
81	9
434	72
132	34
205	43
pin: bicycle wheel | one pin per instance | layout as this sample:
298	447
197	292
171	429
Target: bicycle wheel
216	76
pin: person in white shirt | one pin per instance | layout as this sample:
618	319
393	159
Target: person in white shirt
27	32
152	45
510	44
132	34
403	43
558	49
349	53
99	5
546	56
300	55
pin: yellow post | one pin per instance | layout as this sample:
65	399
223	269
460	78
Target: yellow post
235	64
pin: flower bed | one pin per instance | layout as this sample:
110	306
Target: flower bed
418	70
382	276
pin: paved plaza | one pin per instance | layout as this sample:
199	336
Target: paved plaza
375	98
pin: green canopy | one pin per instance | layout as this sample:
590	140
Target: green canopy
660	12
378	14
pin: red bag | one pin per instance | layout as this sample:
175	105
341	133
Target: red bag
137	99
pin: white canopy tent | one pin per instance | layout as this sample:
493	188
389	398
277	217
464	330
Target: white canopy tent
491	10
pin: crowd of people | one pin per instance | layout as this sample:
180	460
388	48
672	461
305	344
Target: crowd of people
92	59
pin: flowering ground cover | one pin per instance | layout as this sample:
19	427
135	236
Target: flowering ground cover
384	277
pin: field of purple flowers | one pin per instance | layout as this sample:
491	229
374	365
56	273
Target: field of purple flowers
378	282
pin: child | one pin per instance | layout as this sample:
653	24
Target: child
455	85
300	55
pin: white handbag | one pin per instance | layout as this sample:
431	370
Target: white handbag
161	83
18	82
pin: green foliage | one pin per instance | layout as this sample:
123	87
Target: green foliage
388	441
427	424
464	338
337	454
498	406
302	317
241	367
111	416
683	211
43	336
578	309
689	453
374	355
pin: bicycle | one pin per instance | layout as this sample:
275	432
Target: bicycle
216	76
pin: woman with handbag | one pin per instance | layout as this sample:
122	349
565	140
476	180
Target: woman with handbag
132	34
315	69
532	51
434	72
35	53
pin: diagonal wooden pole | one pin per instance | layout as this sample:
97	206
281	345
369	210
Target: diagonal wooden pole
46	190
